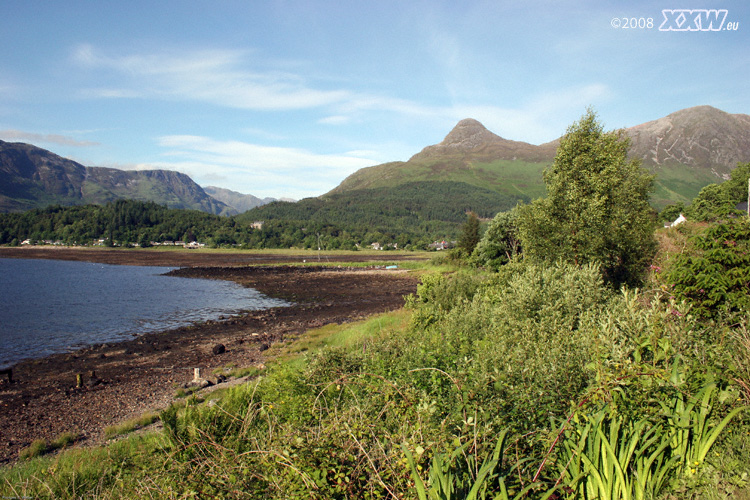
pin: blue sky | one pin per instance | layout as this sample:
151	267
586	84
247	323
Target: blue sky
287	98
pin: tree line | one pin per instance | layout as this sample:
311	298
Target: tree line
130	223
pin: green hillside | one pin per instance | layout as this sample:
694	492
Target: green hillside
422	207
508	178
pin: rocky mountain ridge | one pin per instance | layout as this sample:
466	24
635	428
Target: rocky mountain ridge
699	137
32	177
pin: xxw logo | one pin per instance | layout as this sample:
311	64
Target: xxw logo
693	20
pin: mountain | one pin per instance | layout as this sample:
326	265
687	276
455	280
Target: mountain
32	177
690	149
435	188
470	140
469	154
238	201
687	150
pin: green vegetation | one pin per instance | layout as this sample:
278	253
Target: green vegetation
125	223
596	209
500	243
469	234
713	271
678	184
533	381
40	446
130	425
408	217
414	213
532	377
717	201
514	179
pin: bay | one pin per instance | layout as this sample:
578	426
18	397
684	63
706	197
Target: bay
51	306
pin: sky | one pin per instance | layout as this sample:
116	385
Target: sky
287	98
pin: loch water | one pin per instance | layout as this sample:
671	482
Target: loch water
53	306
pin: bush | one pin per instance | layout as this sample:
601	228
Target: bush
500	243
713	272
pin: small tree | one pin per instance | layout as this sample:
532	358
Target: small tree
597	206
469	233
500	241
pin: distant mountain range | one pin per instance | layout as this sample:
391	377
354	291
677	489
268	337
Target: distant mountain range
31	177
238	201
687	150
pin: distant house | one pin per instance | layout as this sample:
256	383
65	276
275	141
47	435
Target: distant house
26	242
376	246
258	224
679	220
441	245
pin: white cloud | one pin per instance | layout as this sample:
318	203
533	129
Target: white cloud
335	120
255	169
237	79
62	140
217	76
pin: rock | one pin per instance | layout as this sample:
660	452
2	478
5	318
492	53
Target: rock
93	380
264	347
219	349
198	381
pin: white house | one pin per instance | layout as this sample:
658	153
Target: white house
679	220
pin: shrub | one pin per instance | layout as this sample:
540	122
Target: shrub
37	448
713	273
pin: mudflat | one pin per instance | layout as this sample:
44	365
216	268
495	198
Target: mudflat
144	373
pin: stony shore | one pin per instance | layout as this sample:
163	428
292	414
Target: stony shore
143	374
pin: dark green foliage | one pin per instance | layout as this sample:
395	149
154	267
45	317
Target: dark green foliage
128	222
712	203
671	212
713	273
597	207
718	201
469	234
121	222
407	217
403	208
500	243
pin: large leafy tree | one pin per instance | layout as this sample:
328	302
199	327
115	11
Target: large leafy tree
596	209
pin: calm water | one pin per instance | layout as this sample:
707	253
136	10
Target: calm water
51	306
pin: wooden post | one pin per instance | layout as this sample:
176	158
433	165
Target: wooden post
79	380
196	374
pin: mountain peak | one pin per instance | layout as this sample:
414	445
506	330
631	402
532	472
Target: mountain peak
471	140
468	134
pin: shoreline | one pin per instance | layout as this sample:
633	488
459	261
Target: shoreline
140	375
